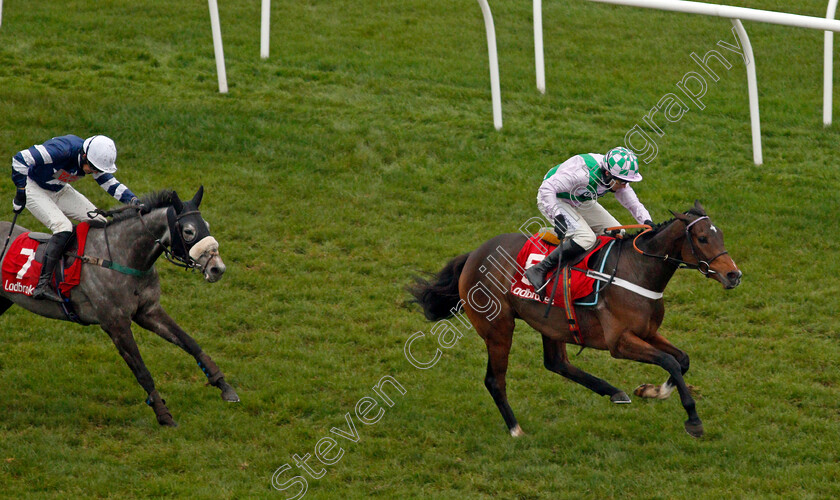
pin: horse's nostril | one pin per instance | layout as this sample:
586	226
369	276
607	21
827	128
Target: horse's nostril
734	275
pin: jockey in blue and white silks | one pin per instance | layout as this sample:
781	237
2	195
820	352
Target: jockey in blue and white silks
42	175
568	196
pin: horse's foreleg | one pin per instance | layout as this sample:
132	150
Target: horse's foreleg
664	391
156	320
556	360
629	346
124	340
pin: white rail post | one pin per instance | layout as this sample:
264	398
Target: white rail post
494	64
217	45
264	25
752	89
1	12
539	58
829	65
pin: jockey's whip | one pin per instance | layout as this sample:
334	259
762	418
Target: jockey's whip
14	221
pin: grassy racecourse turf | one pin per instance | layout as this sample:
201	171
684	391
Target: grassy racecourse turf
361	153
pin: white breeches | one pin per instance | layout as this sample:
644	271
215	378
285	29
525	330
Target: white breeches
54	208
585	220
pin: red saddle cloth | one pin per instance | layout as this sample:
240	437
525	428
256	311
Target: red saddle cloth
21	269
534	251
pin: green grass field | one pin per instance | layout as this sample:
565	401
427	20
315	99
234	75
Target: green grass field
361	153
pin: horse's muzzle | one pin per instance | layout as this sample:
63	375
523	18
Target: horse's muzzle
733	279
214	269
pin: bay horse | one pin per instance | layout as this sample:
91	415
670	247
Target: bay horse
129	290
623	321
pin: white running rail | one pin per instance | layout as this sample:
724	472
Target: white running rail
264	24
539	59
217	46
829	65
495	93
736	14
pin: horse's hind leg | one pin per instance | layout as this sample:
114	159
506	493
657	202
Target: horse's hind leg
498	336
557	361
156	320
124	340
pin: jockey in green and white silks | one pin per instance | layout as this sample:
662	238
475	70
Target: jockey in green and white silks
568	196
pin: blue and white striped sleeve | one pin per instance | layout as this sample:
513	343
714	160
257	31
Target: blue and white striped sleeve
114	187
19	171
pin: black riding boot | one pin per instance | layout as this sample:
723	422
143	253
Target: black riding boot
55	247
562	255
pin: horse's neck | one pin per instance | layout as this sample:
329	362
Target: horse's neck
133	242
655	273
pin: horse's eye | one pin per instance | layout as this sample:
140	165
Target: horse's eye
703	239
189	233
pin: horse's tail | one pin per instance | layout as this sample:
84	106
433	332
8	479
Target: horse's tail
440	296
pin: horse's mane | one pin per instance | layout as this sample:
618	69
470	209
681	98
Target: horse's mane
159	199
663	225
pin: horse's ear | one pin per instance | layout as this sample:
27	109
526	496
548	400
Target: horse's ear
681	217
177	203
197	198
699	207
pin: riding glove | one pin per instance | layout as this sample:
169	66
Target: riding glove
560	226
19	202
135	202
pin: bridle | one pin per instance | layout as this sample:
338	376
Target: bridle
177	255
705	267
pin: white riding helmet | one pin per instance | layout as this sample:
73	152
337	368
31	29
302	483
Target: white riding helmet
101	153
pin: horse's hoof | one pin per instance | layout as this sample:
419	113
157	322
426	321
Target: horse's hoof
694	430
517	431
228	394
620	398
167	421
649	391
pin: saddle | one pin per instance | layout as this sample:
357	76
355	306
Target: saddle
21	266
581	286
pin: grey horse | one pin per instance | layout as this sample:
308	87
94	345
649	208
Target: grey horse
126	288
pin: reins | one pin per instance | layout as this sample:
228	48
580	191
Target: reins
703	266
183	262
